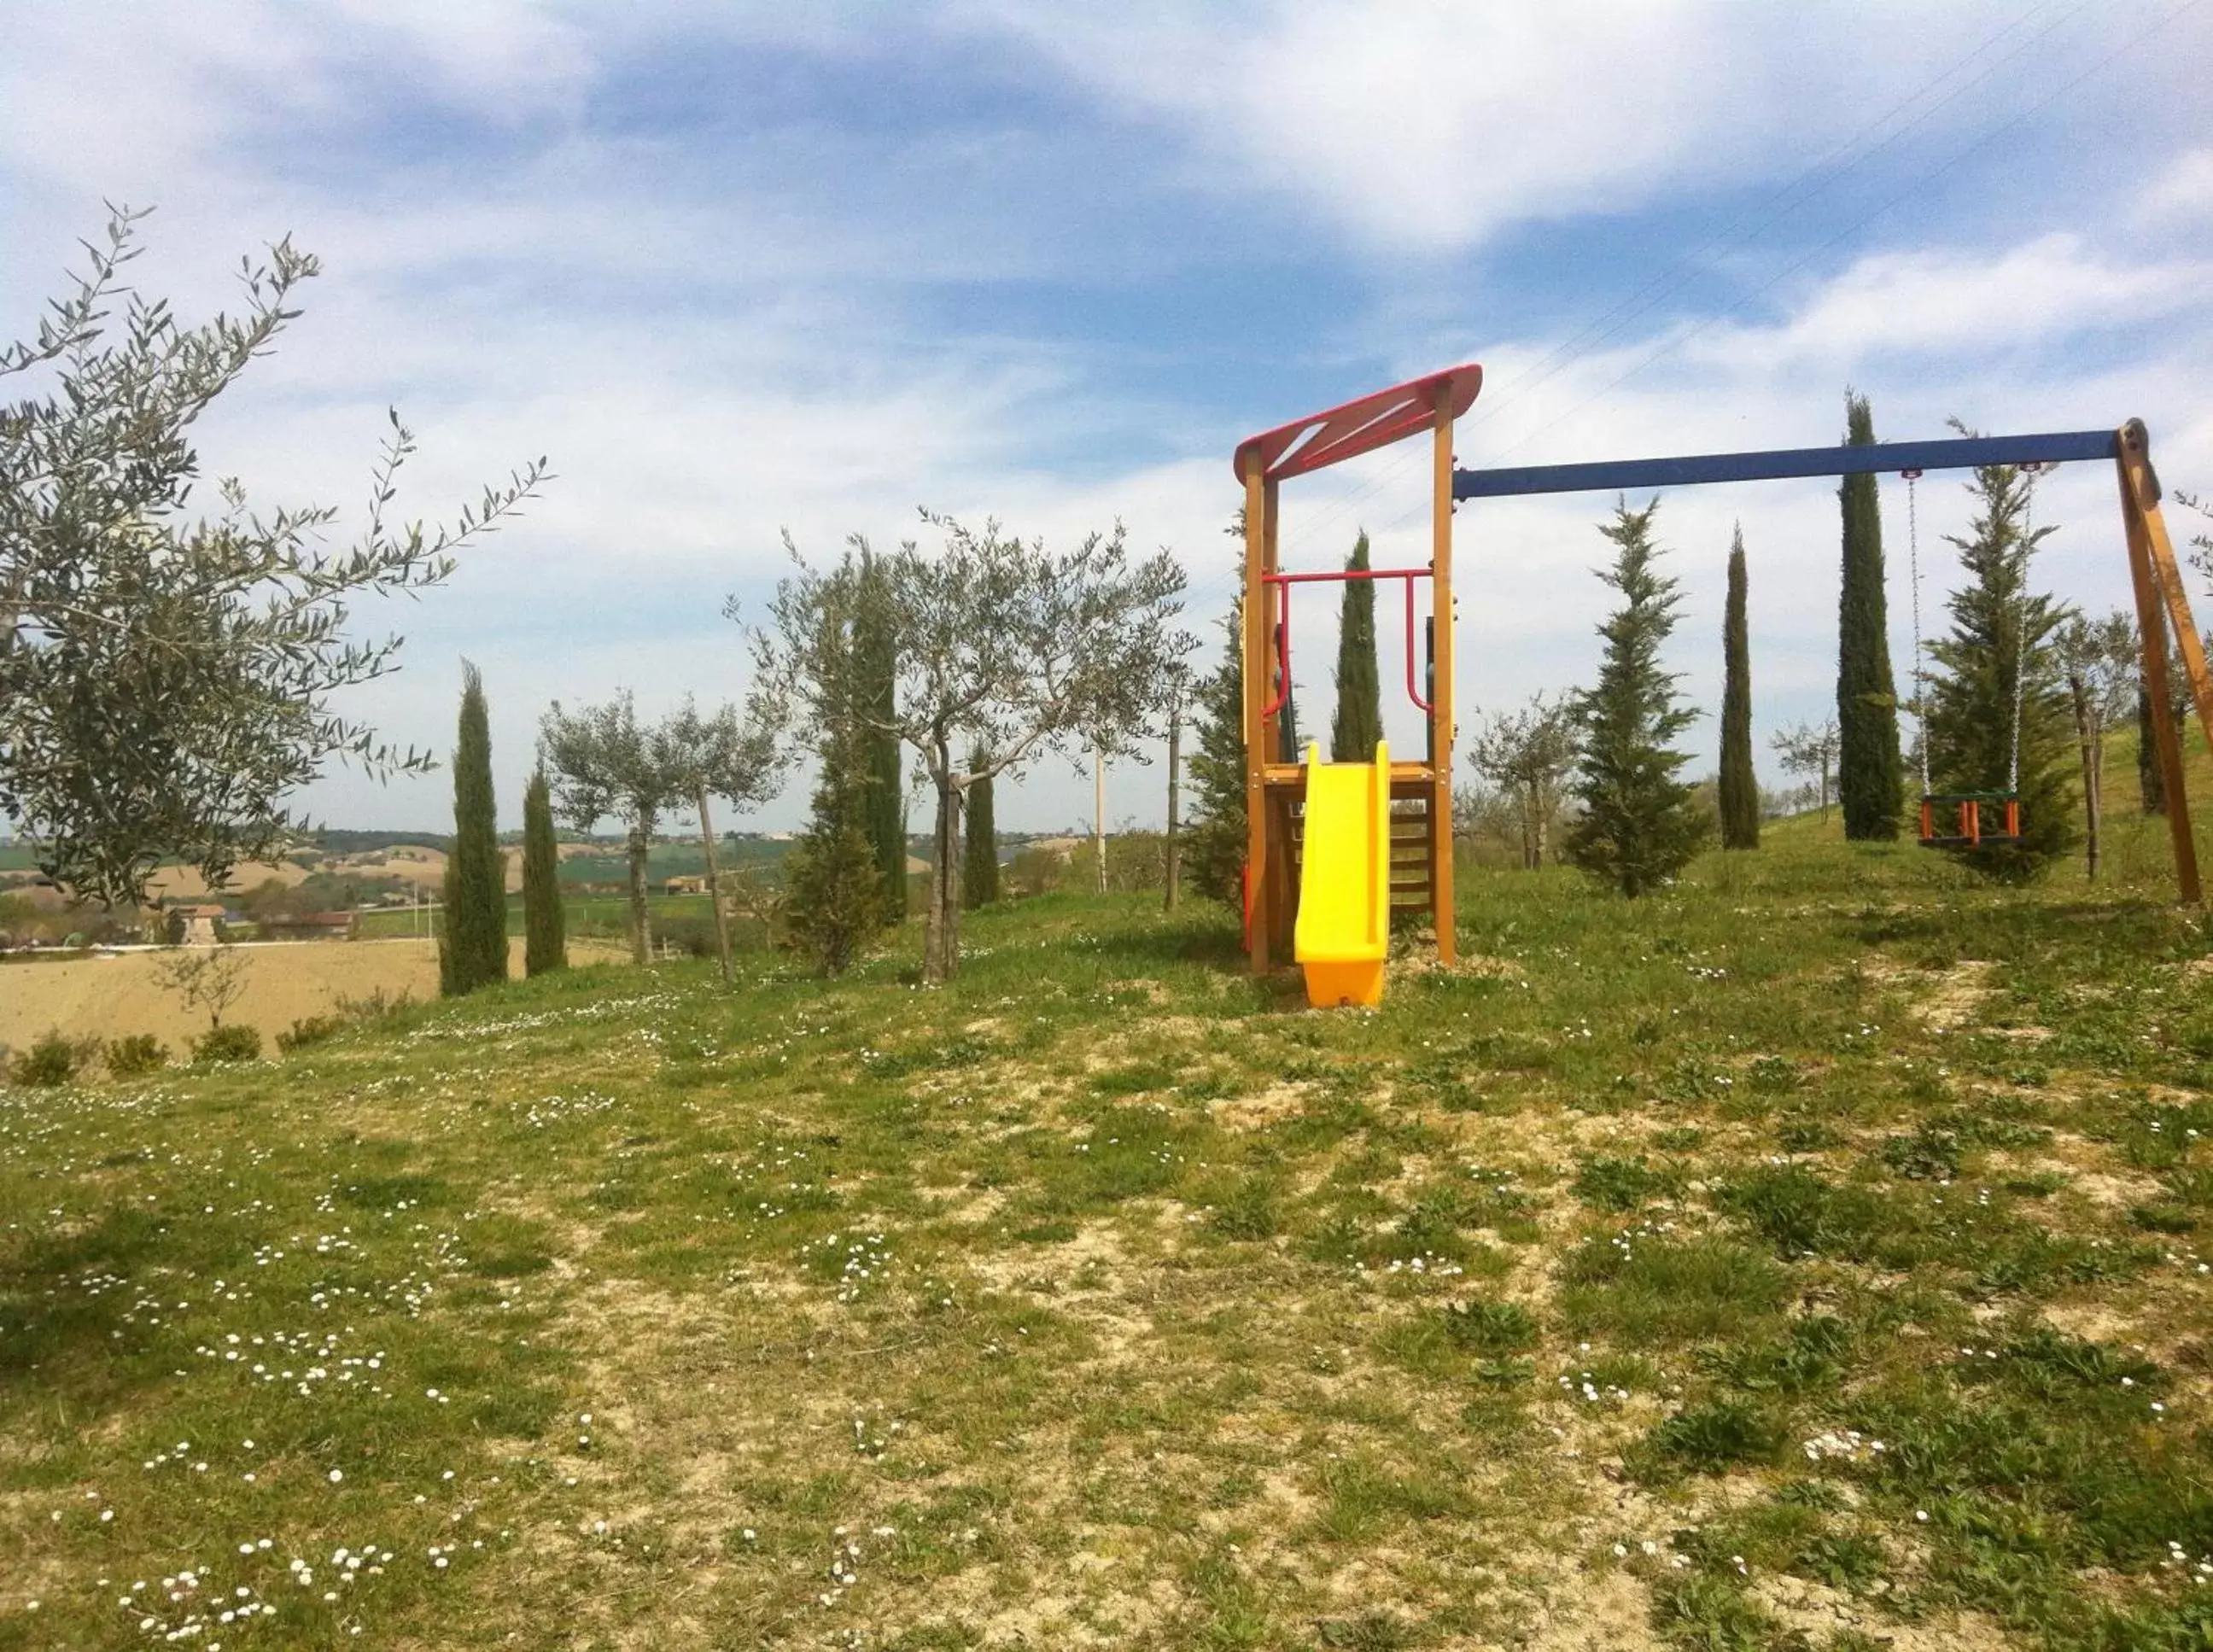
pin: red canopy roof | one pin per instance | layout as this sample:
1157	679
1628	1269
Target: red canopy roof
1374	421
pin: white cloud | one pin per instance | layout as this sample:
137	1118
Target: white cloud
1936	300
713	343
2182	193
1425	128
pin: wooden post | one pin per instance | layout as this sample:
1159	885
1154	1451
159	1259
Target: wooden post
1284	880
2151	627
1258	654
1441	692
1175	762
2141	488
714	889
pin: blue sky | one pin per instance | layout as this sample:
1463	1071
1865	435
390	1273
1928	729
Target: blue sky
738	268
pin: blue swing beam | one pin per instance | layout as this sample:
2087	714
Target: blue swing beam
1625	475
2163	606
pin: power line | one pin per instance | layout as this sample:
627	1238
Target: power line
1742	231
1775	207
1217	589
1920	182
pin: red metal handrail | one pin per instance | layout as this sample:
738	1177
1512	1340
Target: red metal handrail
1282	644
1283	582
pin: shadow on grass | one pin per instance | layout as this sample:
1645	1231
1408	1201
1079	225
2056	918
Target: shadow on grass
1212	941
2015	931
64	1300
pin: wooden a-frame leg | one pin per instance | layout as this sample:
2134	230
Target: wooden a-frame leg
2151	627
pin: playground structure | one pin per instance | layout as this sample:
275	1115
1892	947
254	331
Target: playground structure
1328	873
1302	836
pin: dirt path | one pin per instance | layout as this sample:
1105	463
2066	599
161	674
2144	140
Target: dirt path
111	995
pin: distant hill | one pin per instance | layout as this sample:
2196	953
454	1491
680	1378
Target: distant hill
342	840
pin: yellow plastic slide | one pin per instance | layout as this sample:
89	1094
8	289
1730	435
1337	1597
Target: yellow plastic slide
1345	879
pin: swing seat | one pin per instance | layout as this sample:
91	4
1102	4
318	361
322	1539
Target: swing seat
1969	820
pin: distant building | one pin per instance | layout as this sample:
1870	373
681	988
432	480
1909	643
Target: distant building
200	918
684	886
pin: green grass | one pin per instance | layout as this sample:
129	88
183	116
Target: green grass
1828	1229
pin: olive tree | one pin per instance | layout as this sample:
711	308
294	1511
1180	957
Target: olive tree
605	762
167	675
2099	659
206	977
723	754
1527	755
1005	647
1810	749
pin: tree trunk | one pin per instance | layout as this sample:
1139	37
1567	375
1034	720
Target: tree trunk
714	889
1175	755
940	944
1540	829
2151	784
2094	766
2086	742
641	927
1098	814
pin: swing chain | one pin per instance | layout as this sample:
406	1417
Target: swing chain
1913	562
2021	630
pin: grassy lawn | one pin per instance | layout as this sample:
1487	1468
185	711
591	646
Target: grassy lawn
1807	1258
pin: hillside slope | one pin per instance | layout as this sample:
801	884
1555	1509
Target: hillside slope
1809	1256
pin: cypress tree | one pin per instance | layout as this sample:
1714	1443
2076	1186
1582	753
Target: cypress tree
1214	845
1358	723
473	950
876	655
833	899
2002	635
979	861
544	925
1639	825
1869	775
1740	786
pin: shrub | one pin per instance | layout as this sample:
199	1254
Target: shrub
1646	1291
47	1064
374	1005
1714	1436
1928	1154
694	936
309	1030
234	1043
1248	1212
1624	1185
1802	1215
137	1056
1493	1328
1712	1614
